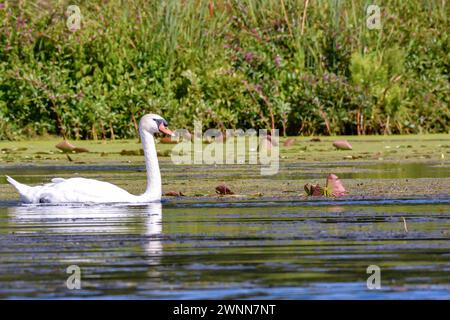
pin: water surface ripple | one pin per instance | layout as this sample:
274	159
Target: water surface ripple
273	249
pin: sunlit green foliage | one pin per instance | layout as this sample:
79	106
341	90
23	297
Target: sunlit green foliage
247	63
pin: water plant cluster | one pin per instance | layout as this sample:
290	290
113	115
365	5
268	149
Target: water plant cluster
305	67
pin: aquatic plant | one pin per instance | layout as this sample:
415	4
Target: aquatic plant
333	188
306	67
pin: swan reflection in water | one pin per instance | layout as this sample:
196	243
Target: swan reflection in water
110	236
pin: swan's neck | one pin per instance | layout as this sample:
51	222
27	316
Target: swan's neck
153	191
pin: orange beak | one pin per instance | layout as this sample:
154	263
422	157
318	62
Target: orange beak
165	130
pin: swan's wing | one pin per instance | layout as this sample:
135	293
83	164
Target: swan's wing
81	190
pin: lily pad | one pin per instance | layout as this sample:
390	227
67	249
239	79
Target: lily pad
223	189
335	185
174	194
342	145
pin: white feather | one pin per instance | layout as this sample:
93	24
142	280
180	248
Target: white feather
75	190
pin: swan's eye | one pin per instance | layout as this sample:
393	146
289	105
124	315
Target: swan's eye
163	121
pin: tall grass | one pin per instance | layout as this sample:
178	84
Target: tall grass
306	67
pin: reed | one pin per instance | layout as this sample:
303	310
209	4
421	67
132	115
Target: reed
308	66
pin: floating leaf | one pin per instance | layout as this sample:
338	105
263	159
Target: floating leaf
308	189
313	190
80	150
174	194
223	189
342	145
130	153
335	185
65	146
317	191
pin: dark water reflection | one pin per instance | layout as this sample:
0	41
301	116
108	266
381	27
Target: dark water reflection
194	251
288	170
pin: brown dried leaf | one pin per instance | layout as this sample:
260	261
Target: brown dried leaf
80	150
65	146
223	189
342	145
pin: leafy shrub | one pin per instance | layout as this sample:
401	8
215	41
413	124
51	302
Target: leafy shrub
259	64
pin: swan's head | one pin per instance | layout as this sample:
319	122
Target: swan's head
154	123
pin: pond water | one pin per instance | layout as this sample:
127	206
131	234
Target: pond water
271	250
32	173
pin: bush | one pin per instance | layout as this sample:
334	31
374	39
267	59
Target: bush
258	64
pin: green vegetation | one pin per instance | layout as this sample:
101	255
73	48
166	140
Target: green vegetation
393	166
306	67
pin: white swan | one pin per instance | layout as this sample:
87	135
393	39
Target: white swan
75	190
